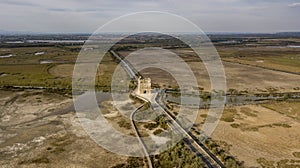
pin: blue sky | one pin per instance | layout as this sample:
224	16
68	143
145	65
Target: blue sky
210	15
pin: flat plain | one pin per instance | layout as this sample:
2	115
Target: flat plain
39	127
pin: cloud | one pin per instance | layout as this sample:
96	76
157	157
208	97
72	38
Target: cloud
211	15
297	4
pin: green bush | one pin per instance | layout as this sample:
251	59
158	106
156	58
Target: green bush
158	131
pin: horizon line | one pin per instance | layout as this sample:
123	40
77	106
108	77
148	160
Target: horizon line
4	32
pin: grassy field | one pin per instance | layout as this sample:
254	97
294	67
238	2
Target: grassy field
24	68
31	75
243	78
59	74
27	55
291	109
283	59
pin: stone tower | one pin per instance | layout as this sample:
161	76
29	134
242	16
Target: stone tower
144	86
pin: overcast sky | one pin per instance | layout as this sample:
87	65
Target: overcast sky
71	16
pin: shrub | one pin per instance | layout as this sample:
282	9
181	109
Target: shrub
158	131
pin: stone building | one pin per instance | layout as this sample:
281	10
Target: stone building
144	86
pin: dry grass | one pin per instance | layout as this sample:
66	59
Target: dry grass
291	109
251	79
63	70
251	132
284	59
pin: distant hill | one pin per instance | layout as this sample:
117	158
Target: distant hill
289	34
214	34
7	32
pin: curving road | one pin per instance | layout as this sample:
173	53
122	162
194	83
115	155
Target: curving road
156	102
150	165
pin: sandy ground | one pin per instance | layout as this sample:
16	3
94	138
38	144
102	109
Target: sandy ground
38	129
259	135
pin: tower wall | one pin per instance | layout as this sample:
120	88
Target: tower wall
144	86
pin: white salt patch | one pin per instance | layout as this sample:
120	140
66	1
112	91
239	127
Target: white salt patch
6	56
159	140
39	53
